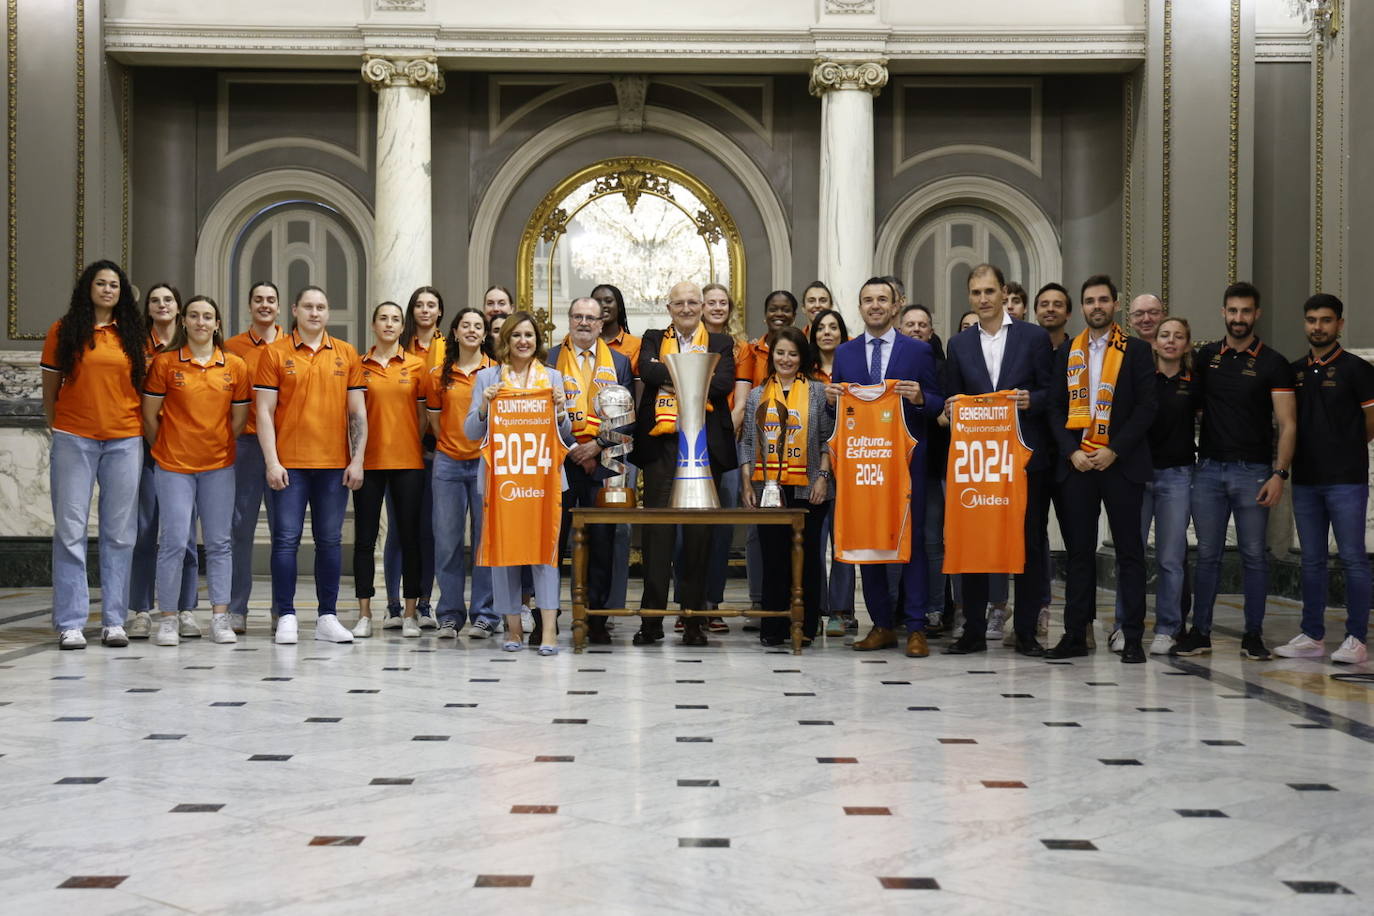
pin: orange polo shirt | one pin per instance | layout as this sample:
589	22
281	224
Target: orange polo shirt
98	400
196	431
744	367
628	345
394	390
433	355
760	350
249	347
451	406
312	388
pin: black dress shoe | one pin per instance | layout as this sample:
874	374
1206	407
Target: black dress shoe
1030	647
967	645
771	641
694	635
600	637
1132	653
647	637
1068	647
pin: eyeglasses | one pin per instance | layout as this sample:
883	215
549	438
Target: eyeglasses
584	319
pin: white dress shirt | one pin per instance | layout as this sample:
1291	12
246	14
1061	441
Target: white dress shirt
888	339
1097	352
994	346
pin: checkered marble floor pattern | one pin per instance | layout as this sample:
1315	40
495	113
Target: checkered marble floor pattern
428	776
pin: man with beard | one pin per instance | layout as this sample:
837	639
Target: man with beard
1103	401
1335	401
1052	307
1244	386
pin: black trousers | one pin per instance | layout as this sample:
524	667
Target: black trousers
1030	582
775	548
407	490
582	490
657	543
1084	494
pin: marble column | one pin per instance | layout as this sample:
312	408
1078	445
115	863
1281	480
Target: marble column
403	237
845	259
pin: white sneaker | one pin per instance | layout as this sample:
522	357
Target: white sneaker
410	628
958	620
222	630
481	629
363	628
448	631
167	634
114	637
427	622
328	629
1117	642
1042	624
239	623
391	623
285	630
526	618
1302	646
997	621
1351	652
1162	644
140	625
187	626
71	639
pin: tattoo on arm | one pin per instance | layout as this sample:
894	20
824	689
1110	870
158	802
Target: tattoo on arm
355	434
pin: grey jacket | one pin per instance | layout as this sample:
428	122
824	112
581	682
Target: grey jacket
820	424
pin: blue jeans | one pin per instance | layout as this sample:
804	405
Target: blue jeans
76	465
935	545
250	485
1168	503
455	486
323	491
144	573
181	497
1222	489
391	549
1339	508
839	592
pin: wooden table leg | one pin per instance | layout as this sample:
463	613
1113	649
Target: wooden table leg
579	584
798	559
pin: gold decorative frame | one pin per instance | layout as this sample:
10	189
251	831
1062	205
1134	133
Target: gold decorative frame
1233	165
11	150
631	176
80	246
1166	132
1127	169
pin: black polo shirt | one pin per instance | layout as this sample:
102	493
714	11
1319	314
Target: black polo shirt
1171	433
1237	408
1332	395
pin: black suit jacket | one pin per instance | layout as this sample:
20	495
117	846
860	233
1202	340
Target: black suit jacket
720	431
623	377
1133	410
1026	364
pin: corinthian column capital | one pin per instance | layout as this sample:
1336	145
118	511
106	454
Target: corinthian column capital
828	75
419	72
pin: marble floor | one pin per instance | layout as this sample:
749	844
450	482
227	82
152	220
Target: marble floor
434	777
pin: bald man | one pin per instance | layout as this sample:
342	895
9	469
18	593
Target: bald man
1144	316
656	456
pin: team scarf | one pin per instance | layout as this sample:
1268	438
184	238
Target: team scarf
665	404
538	378
580	393
1085	411
787	463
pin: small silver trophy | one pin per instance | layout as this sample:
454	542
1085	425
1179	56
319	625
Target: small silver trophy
771	442
616	407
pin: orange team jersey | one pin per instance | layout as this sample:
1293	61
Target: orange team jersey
395	392
760	349
312	388
744	368
523	456
628	346
433	355
870	452
98	400
196	432
249	347
985	486
450	406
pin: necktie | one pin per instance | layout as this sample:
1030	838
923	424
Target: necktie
875	365
582	360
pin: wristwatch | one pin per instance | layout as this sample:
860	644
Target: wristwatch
823	475
1280	473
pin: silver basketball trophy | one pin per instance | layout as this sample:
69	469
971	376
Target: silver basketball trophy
770	443
693	486
616	407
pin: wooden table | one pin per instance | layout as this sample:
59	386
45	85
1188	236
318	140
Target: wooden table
584	516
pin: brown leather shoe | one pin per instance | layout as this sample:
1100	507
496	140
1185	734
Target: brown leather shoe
877	638
916	646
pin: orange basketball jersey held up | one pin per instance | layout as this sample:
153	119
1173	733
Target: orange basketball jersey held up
985	486
523	457
870	452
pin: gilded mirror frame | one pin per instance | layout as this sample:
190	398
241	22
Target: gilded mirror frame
630	176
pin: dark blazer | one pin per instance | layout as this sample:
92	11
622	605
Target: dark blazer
1133	410
720	431
623	377
1026	364
912	360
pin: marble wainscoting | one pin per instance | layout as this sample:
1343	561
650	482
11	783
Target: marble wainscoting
25	507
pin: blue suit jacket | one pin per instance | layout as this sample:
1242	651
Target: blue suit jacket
913	361
1026	364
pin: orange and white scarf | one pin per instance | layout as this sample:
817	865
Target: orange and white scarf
538	378
665	405
785	461
1086	411
581	391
